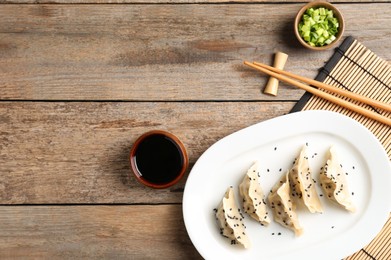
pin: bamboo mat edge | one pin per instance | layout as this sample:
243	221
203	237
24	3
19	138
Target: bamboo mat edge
380	247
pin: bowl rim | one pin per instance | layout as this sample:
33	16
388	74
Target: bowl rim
181	149
329	6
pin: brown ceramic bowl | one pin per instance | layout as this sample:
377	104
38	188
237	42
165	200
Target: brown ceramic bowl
337	14
158	159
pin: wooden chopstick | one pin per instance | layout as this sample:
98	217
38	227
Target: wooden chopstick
324	95
330	88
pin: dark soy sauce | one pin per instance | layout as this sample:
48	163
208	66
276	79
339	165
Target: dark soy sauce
158	159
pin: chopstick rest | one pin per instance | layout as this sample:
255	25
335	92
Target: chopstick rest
349	94
344	103
280	59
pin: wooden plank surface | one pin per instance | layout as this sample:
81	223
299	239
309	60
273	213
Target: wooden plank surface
75	154
78	152
109	232
168	1
161	52
94	232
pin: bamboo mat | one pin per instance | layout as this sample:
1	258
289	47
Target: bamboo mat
355	68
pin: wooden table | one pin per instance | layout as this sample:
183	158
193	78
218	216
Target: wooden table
82	79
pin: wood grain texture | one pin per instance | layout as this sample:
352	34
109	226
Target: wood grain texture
106	232
94	232
78	152
167	1
161	52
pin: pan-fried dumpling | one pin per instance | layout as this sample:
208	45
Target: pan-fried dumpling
282	205
230	220
253	199
303	185
333	182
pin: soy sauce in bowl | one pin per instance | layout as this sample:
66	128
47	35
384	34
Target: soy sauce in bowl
158	159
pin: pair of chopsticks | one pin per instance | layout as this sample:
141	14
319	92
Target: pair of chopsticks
291	78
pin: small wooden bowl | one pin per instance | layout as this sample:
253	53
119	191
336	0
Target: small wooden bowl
172	155
337	14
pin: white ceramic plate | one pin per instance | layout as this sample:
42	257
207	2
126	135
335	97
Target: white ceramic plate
275	143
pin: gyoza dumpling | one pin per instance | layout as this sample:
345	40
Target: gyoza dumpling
333	182
253	199
230	220
303	185
282	205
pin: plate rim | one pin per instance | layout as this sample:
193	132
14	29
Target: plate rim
284	119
